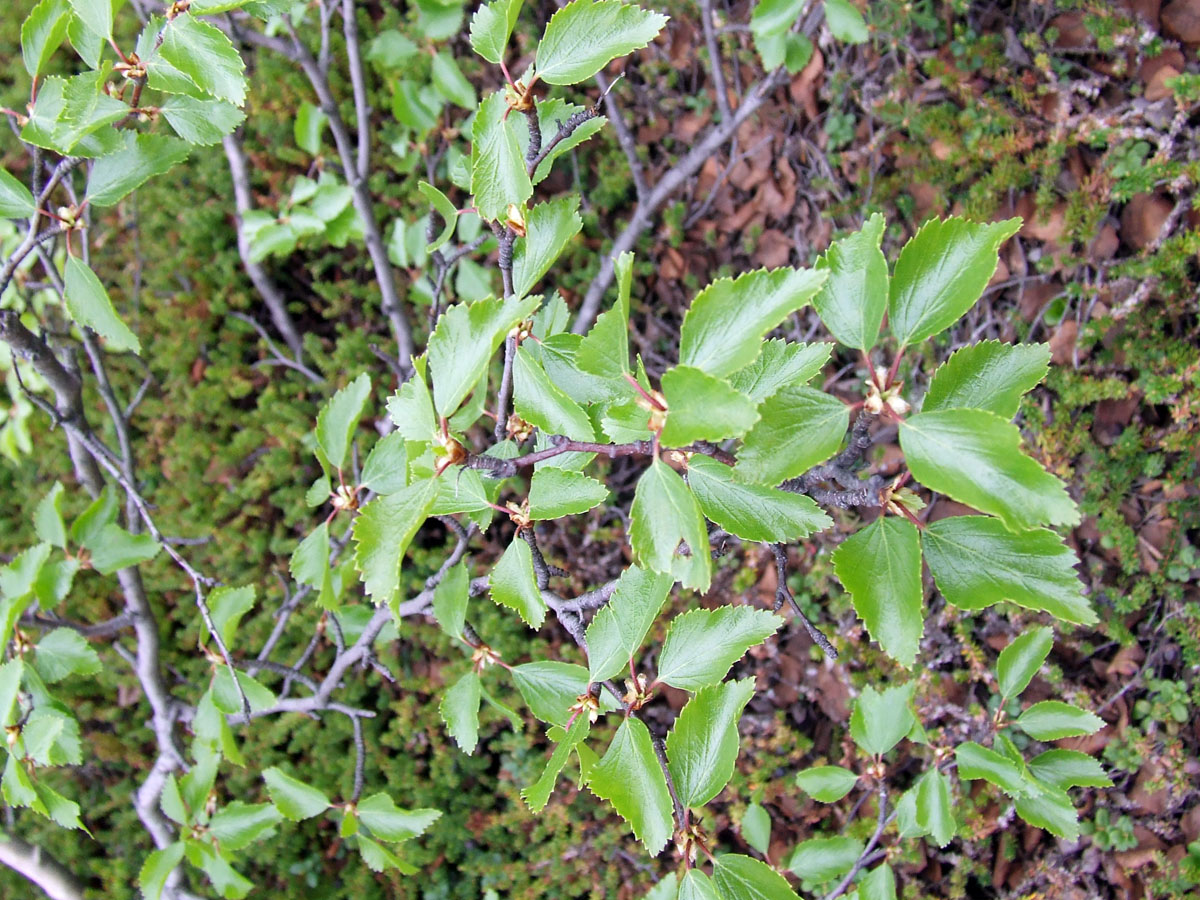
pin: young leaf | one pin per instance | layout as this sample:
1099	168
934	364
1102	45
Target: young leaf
974	456
1034	569
604	350
879	721
42	34
703	745
752	512
554	493
1021	659
695	885
941	272
48	520
390	823
89	306
852	302
450	599
823	859
513	583
16	202
550	689
204	55
201	122
382	533
538	793
549	226
934	810
411	410
756	828
491	27
144	156
339	417
239	824
702	408
114	549
1068	768
781	363
1052	720
460	711
310	565
629	777
293	798
744	878
664	516
724	327
881	568
498	176
988	375
828	784
845	22
800	427
64	652
586	35
702	644
445	209
152	877
879	884
227	605
618	629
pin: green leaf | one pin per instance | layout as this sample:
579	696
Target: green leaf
411	409
551	111
1052	720
975	762
239	824
225	694
339	417
491	27
64	652
695	885
880	720
740	877
143	157
619	628
450	600
89	306
445	209
549	227
1022	659
97	15
1034	569
823	859
390	49
48	520
386	468
539	401
756	828
881	568
205	56
309	125
770	23
974	456
1068	768
310	565
10	683
702	408
845	22
460	711
115	549
1051	809
382	532
554	493
781	363
227	605
42	34
853	300
152	877
16	202
89	45
379	858
498	176
630	778
827	784
537	795
513	583
201	122
934	811
450	81
586	35
293	798
462	345
752	512
550	688
702	747
800	427
879	884
988	375
941	272
702	644
723	330
664	515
